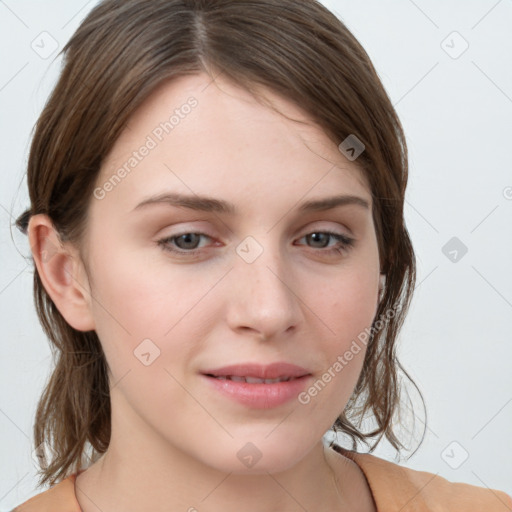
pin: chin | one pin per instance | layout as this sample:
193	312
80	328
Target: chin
256	457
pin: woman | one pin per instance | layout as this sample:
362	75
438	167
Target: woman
204	376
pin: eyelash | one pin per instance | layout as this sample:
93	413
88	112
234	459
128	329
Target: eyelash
344	243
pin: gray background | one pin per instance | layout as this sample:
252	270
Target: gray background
456	107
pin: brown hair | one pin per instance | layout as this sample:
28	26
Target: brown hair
120	53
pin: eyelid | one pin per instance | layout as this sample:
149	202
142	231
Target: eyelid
306	231
344	244
314	226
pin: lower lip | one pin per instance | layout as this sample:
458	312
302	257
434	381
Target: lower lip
260	396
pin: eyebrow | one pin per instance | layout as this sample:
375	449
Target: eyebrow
210	204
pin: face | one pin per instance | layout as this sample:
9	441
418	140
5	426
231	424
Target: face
176	291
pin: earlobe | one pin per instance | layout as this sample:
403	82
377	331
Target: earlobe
62	273
382	284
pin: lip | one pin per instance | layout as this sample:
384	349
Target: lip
270	371
259	395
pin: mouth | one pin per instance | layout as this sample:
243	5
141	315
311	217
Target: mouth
253	373
272	387
252	380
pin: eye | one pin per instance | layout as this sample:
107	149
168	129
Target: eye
344	242
188	242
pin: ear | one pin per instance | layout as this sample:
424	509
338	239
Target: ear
62	273
382	284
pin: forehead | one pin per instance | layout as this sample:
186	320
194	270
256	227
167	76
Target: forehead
195	135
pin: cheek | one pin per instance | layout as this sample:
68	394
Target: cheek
348	308
134	295
348	304
145	307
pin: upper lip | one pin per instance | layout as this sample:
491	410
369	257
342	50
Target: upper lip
271	371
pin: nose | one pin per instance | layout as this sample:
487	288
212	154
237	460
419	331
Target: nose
264	297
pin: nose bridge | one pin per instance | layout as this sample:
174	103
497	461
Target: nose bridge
264	299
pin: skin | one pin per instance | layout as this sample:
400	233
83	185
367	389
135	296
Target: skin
174	439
